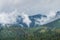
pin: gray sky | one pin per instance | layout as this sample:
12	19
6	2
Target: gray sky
30	7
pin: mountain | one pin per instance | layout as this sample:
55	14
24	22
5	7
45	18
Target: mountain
31	21
38	28
34	21
37	20
53	24
24	20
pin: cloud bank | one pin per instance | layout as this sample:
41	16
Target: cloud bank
8	13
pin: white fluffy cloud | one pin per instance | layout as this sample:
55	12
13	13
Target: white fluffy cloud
26	19
8	18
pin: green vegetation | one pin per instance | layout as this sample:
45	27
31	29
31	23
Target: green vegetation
49	31
38	33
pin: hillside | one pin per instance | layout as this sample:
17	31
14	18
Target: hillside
36	33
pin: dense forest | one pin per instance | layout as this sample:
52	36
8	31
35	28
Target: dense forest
49	31
16	33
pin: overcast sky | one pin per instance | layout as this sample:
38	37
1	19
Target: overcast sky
30	6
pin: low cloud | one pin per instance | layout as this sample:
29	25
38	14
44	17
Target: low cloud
31	7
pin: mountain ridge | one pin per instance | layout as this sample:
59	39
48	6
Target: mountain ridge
24	20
